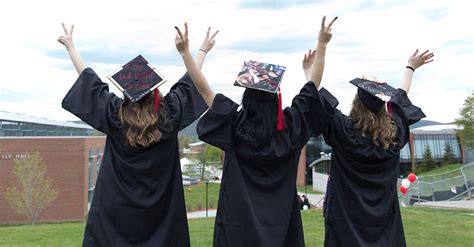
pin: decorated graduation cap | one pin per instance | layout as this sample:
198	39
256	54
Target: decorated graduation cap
264	77
138	78
373	93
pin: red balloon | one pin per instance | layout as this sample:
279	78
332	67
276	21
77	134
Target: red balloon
411	177
403	189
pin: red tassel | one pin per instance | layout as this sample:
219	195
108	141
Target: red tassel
157	99
281	121
389	107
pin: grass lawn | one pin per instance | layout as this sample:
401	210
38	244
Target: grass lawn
423	227
196	198
442	169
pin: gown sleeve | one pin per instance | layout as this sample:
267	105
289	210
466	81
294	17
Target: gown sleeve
186	102
215	127
90	100
309	114
404	113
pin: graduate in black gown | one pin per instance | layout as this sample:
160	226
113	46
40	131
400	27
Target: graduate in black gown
138	198
258	203
361	203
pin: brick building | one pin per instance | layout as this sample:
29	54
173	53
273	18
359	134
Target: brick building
72	164
71	151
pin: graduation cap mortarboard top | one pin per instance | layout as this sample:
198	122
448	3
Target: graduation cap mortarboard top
138	78
264	77
373	93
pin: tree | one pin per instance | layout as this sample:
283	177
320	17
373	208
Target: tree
184	142
428	163
210	154
34	192
466	122
448	156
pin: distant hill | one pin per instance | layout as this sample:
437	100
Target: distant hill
423	123
190	130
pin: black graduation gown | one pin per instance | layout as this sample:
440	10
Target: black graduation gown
361	206
258	203
138	198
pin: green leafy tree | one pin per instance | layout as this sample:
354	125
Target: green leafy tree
466	122
448	156
34	192
209	155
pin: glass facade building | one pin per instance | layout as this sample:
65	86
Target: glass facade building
12	124
434	136
437	144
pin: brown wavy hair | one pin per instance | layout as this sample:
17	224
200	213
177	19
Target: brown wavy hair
142	121
376	125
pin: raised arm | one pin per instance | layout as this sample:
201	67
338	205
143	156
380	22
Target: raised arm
414	62
66	40
206	46
308	63
318	63
182	45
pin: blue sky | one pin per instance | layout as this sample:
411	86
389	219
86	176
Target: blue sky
370	37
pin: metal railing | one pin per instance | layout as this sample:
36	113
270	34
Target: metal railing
449	186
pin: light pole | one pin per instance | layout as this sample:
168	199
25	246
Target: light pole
207	182
305	182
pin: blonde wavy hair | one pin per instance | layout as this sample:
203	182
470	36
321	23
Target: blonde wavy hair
376	125
142	121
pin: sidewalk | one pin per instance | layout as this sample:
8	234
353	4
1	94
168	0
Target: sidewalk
202	214
448	204
313	199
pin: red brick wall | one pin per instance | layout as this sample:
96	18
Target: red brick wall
67	165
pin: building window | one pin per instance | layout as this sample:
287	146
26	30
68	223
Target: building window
91	170
437	143
99	161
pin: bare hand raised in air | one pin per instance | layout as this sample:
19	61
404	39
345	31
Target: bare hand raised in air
209	41
417	60
308	62
181	40
325	31
66	39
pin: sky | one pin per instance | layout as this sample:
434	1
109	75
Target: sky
369	37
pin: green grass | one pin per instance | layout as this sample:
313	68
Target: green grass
60	234
423	227
442	169
196	199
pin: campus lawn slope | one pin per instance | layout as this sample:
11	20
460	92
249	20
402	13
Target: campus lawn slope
423	227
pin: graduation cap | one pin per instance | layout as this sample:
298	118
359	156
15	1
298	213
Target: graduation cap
138	78
264	77
374	94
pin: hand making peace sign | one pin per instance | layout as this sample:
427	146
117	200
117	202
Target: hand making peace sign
66	39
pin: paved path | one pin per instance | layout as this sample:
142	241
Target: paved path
202	214
313	199
448	204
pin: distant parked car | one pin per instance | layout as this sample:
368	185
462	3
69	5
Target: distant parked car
186	180
194	180
186	183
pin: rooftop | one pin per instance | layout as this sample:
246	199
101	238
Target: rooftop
16	117
436	129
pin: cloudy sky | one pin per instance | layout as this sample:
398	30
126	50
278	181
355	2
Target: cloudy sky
370	37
